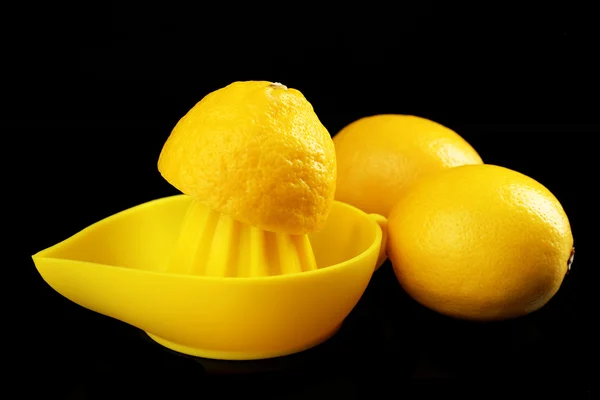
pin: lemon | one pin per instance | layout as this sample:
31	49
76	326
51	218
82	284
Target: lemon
257	152
380	156
480	242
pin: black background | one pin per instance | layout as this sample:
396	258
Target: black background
92	92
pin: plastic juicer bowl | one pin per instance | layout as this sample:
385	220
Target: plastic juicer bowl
116	267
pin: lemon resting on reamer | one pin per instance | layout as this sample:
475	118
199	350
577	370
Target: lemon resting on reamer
255	259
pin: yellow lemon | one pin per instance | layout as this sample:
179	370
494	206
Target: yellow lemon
379	157
256	151
480	242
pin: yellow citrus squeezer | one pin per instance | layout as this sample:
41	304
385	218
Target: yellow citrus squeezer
202	282
119	267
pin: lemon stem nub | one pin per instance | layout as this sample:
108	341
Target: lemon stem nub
570	261
277	85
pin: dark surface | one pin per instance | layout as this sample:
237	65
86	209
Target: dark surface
92	98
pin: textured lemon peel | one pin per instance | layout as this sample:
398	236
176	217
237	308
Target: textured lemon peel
294	196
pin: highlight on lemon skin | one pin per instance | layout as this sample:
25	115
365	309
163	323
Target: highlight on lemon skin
257	152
